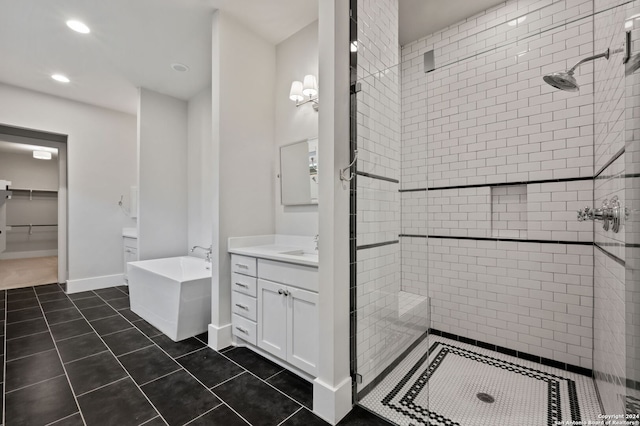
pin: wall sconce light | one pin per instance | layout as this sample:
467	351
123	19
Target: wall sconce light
303	92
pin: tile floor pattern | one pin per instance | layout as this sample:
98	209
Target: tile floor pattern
87	359
438	383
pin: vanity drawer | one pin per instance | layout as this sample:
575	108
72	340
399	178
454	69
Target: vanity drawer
304	277
243	265
244	329
243	284
244	305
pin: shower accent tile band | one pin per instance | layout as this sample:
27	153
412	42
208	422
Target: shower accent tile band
515	240
370	246
374	176
481	185
518	354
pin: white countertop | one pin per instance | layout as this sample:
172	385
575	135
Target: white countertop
130	232
276	247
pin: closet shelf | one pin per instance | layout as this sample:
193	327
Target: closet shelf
49	191
33	192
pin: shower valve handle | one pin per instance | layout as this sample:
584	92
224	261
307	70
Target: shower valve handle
609	214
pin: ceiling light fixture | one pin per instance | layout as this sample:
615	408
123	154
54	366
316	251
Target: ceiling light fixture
517	21
42	155
77	26
61	78
179	67
303	92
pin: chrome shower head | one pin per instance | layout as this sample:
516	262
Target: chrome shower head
562	80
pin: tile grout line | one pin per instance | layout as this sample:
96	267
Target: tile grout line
274	375
137	350
118	361
264	381
229	379
26	335
188	372
103	386
84	357
72	337
188	353
55	345
163	376
36	383
292	414
4	363
203	414
64	418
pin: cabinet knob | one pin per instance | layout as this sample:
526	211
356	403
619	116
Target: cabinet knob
242	265
246	308
242	330
242	285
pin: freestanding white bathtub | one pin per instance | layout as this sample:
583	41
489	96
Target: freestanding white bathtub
172	294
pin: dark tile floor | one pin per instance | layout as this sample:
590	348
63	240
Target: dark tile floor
86	359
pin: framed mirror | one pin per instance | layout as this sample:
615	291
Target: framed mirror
299	173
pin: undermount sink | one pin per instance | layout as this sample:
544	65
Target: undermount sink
298	253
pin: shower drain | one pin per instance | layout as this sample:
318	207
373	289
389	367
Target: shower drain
485	397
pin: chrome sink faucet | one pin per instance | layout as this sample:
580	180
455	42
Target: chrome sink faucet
208	251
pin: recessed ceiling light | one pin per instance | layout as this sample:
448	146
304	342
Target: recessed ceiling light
42	155
179	67
78	26
61	78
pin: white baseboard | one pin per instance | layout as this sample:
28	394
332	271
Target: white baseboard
219	337
329	403
94	283
28	254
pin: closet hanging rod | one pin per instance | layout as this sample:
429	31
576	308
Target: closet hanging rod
32	190
26	226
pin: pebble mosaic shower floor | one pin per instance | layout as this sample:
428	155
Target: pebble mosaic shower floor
439	384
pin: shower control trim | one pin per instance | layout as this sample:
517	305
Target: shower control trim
609	214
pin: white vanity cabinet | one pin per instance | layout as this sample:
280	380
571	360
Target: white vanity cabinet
288	324
275	307
130	252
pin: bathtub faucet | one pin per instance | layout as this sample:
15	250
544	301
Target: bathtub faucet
207	250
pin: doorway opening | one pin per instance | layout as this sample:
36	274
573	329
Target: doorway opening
33	206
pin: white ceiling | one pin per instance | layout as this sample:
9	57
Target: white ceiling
133	42
419	18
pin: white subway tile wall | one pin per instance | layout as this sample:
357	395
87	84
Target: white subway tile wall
388	320
485	116
609	332
509	211
531	297
616	124
378	216
632	200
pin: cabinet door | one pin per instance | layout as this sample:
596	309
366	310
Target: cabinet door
130	255
302	330
272	318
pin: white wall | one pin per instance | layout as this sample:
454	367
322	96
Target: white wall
162	176
243	76
199	173
26	172
101	167
296	57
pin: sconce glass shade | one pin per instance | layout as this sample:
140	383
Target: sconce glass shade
310	86
296	92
